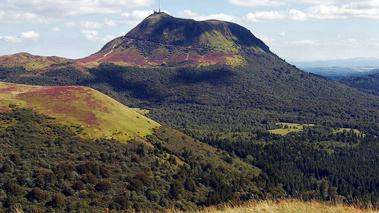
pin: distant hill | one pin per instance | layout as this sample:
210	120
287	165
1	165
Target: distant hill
351	62
366	83
94	113
336	69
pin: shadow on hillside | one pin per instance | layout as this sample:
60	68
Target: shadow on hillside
214	77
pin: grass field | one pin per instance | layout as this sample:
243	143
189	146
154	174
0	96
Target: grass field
286	128
282	206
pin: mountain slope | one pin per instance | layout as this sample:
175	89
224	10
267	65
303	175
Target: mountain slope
47	167
96	113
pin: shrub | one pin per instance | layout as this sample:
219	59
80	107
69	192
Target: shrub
78	185
103	186
37	194
58	201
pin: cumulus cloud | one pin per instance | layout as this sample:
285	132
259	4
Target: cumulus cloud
368	10
277	3
30	35
134	17
12	39
20	38
90	34
84	25
47	11
219	16
110	23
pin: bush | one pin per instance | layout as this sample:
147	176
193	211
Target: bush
103	186
58	201
37	194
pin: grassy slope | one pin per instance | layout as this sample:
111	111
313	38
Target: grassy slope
33	62
283	206
97	113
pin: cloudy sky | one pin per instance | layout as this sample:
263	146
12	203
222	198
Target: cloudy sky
296	30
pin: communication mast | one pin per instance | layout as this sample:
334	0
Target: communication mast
159	11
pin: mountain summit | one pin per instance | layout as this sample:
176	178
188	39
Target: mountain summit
162	39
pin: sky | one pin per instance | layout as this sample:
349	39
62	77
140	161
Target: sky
295	30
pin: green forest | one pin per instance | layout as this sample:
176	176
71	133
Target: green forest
46	167
230	109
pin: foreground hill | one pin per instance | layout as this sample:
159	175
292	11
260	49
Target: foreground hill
94	113
47	167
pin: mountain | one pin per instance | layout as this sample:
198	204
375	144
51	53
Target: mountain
33	62
195	93
93	113
332	155
163	40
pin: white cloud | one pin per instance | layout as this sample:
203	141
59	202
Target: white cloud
277	3
306	42
366	9
47	11
349	43
20	38
12	39
256	3
90	34
134	17
219	16
55	29
110	23
265	16
282	33
30	35
84	25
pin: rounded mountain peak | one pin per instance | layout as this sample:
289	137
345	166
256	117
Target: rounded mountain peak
164	40
165	29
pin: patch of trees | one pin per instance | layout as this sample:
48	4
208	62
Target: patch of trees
314	164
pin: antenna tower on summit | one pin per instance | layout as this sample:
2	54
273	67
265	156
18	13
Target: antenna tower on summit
159	11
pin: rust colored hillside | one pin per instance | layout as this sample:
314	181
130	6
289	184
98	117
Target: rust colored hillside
98	114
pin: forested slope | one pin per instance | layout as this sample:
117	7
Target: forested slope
45	166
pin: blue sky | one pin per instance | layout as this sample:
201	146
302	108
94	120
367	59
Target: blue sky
296	30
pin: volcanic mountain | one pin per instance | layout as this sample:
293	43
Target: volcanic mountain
161	39
205	74
221	85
